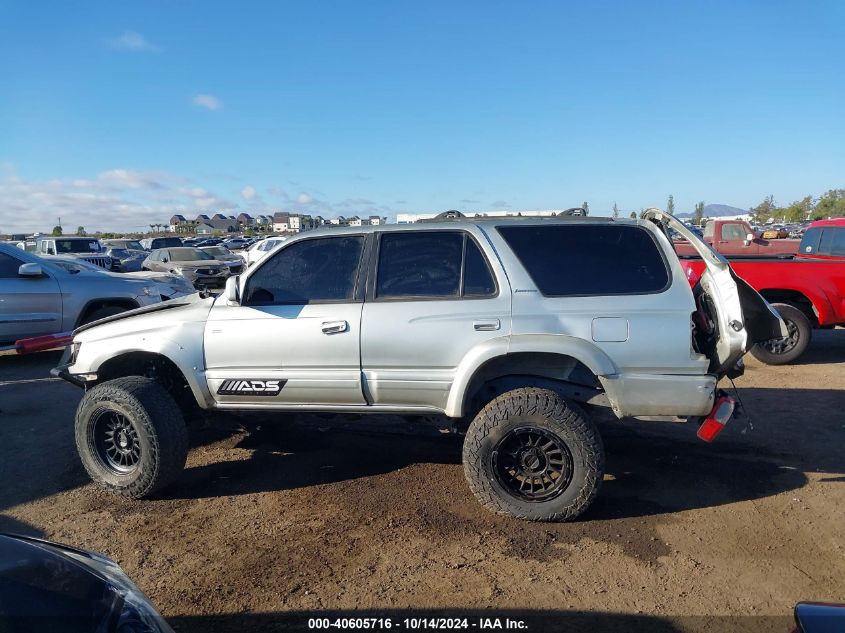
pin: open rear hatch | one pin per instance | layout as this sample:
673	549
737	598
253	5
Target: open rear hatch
736	314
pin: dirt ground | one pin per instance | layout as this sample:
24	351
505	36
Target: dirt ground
285	518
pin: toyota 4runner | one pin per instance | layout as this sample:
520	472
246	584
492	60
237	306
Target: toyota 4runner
513	328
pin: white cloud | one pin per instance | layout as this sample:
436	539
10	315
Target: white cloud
114	200
209	102
130	200
132	41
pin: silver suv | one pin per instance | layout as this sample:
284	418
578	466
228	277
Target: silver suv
513	328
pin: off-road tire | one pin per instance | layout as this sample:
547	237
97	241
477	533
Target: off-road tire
102	313
160	428
803	328
544	409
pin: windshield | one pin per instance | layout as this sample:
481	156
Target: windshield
77	246
217	251
188	255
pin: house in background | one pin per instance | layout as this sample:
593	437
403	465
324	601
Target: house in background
176	223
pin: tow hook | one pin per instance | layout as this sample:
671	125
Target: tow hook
718	418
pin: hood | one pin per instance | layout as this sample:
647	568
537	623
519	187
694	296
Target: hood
184	307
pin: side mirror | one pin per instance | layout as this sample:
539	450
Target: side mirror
231	291
750	237
165	260
30	270
51	250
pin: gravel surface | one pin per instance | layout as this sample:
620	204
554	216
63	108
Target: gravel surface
288	515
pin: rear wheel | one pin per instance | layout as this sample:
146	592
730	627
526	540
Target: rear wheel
532	454
781	351
131	436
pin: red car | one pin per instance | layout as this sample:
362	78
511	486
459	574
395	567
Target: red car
808	289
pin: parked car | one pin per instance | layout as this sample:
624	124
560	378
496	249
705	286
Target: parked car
468	319
123	243
51	587
260	249
87	248
41	296
775	233
808	290
236	243
152	243
221	253
167	285
125	260
737	238
210	241
197	266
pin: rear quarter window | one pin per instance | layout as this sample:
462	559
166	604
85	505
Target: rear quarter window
572	260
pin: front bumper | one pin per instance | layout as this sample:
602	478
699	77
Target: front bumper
67	361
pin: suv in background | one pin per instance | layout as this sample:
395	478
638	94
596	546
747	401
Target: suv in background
49	295
87	248
513	329
152	243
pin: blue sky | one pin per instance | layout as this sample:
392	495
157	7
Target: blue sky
115	114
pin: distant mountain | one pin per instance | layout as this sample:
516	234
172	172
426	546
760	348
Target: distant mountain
717	211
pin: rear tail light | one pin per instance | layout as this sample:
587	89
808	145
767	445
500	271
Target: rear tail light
718	418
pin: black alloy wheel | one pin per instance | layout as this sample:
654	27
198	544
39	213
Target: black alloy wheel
115	441
532	464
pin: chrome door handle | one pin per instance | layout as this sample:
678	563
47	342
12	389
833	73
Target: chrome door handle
487	326
335	327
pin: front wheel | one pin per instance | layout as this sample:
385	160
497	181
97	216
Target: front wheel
532	454
131	436
782	351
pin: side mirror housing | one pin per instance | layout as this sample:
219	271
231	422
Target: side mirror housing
30	270
750	237
231	291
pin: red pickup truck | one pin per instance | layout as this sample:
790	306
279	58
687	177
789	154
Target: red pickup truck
808	289
736	238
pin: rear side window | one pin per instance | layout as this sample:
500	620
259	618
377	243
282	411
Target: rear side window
310	271
432	264
837	247
572	260
810	241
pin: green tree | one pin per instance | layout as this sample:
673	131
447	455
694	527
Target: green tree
670	204
586	206
615	210
764	210
57	230
699	213
633	215
830	205
80	230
